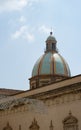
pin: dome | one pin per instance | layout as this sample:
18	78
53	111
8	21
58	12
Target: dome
51	64
50	67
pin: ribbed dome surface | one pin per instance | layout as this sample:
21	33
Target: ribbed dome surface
51	63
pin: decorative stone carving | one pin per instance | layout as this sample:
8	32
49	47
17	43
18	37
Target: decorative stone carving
34	125
70	122
8	127
51	126
19	127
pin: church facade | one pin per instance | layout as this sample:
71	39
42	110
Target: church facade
53	101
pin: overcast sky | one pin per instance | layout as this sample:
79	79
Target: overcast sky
24	27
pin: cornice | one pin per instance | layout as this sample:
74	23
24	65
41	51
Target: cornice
53	98
73	88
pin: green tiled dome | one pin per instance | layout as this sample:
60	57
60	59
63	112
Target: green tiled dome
50	67
51	63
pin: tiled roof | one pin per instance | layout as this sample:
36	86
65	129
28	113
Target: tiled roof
8	92
11	103
34	104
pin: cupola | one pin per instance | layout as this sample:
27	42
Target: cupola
51	43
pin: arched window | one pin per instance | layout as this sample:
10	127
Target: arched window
53	46
70	122
34	125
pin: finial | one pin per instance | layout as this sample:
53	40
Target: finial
19	127
51	31
51	125
7	123
70	113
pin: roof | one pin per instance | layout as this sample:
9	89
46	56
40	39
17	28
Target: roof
8	92
51	63
16	102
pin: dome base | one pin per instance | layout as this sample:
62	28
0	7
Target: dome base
43	80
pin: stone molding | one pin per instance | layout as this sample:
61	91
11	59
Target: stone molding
74	88
63	99
68	95
54	101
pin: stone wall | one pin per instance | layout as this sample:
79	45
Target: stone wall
21	118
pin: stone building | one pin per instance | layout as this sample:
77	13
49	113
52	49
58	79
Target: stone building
53	101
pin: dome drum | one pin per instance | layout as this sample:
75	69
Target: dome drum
43	80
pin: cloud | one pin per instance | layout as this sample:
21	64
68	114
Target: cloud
23	32
19	32
22	19
14	5
10	5
29	37
44	29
